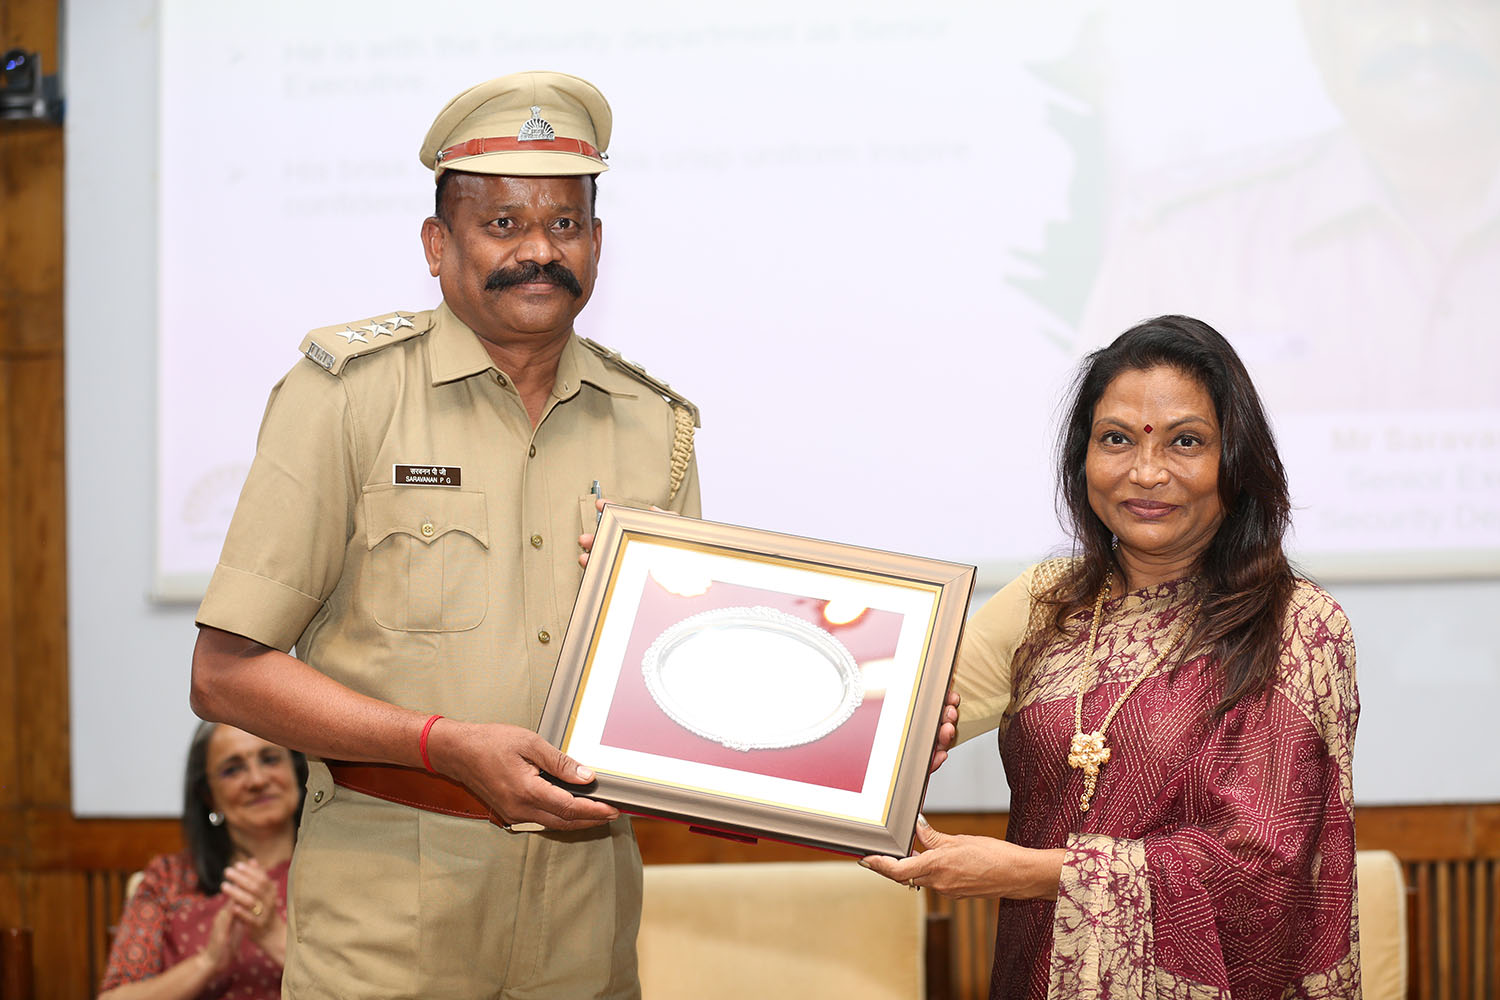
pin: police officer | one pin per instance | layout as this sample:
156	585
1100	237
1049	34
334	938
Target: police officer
412	525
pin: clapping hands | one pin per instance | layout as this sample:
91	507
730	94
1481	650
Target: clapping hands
253	903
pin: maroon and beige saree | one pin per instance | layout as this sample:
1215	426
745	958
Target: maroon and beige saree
1217	858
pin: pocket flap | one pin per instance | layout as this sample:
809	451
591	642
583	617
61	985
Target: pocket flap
425	514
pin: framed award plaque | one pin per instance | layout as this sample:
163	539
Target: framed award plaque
757	684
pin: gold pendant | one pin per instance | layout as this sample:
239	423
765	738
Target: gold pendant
1089	753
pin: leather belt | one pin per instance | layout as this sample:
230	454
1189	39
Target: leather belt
409	787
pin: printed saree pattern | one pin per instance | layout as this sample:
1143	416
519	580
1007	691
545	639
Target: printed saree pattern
1218	857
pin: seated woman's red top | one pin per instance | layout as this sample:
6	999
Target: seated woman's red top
168	919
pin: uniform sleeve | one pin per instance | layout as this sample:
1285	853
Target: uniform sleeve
285	548
983	676
136	953
1254	893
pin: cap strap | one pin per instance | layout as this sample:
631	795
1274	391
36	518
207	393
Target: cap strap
510	144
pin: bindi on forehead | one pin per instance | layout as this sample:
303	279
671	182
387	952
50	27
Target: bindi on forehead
1148	428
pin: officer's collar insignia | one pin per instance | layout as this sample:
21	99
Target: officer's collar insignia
320	354
536	127
350	335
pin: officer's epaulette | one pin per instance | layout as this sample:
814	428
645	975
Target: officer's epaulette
331	347
640	374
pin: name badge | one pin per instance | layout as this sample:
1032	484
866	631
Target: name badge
427	475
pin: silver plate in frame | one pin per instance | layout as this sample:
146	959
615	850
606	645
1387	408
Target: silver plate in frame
753	678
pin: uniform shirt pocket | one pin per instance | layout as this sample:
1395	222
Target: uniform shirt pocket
428	569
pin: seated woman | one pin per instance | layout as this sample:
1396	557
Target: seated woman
1176	710
211	921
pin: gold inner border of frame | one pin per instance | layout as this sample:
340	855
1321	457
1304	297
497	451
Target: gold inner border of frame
628	536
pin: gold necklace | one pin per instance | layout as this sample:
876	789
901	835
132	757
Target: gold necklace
1088	750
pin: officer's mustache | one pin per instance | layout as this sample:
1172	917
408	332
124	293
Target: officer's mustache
532	272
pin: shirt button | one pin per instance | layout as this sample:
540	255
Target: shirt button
499	379
536	541
544	635
428	530
532	452
318	795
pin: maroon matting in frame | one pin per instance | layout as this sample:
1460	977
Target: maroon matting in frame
838	760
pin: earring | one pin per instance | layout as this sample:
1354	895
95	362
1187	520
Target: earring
215	818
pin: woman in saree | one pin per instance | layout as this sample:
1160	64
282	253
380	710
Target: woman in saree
1175	707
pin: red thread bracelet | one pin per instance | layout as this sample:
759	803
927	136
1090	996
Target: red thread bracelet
422	743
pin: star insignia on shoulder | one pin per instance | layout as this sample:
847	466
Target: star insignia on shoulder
377	328
350	335
398	321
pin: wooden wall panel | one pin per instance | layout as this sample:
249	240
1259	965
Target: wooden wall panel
61	843
1484	918
32	23
31	173
59	905
33	664
38	547
1490	942
11	798
1434	832
11	891
1463	929
1455	928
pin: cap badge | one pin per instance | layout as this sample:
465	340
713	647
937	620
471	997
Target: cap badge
536	127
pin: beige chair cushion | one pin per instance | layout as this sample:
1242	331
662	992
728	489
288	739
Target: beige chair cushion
779	931
1382	925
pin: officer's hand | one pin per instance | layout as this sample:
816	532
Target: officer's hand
586	542
947	731
503	765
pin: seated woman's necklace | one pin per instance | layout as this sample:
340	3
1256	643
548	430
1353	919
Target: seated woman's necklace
1088	750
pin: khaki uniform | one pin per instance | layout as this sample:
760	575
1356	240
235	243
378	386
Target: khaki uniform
406	528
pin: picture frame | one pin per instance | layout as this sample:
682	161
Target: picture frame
756	684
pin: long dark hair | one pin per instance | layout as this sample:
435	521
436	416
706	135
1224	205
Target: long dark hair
209	846
1245	577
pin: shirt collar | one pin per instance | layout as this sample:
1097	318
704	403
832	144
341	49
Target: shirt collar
581	365
456	352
